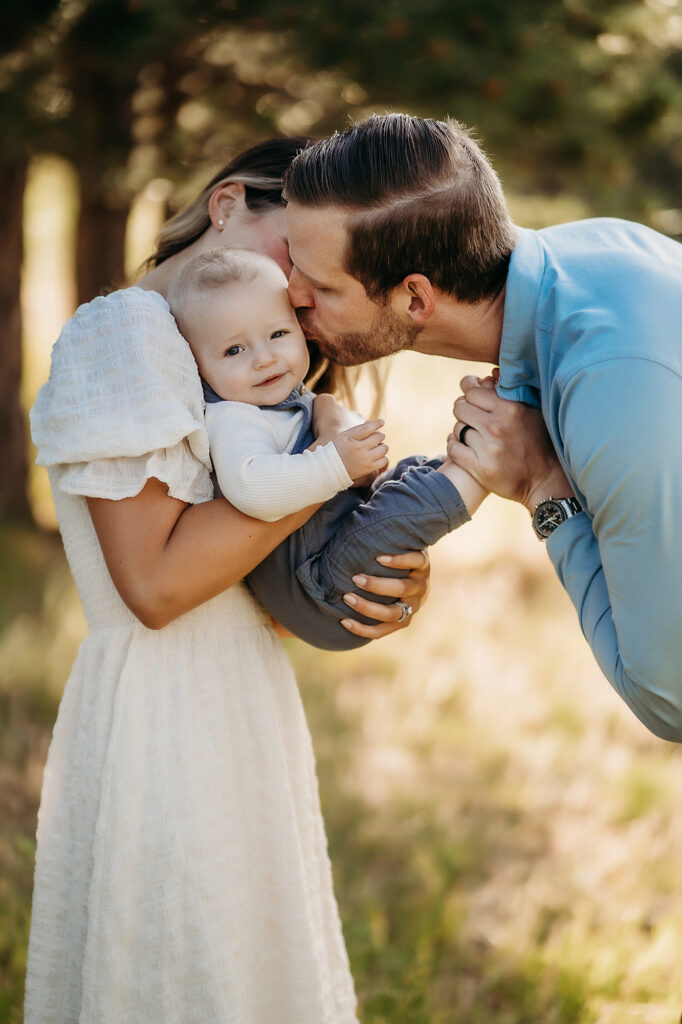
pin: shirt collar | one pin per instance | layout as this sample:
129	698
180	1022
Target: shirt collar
294	399
210	396
519	373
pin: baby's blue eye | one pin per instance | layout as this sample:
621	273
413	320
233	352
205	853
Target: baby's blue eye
233	350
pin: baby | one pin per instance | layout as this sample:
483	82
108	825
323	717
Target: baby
233	308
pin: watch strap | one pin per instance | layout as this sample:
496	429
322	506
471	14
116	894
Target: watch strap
571	506
545	519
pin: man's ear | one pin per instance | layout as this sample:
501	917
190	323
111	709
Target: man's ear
415	298
224	200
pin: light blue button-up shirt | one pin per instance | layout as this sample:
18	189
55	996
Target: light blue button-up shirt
593	336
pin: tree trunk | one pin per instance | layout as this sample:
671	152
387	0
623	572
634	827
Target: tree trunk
14	467
104	113
100	254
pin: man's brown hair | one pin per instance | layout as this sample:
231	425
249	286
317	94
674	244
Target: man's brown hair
422	197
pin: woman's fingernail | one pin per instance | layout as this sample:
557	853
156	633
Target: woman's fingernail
350	599
359	581
348	623
384	559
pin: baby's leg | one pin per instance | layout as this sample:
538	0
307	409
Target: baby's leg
302	582
403	514
395	472
278	588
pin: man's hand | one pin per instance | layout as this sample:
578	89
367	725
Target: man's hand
507	450
363	450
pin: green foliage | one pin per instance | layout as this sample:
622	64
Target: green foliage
568	94
18	21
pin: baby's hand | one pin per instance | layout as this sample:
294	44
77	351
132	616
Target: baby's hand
363	449
330	418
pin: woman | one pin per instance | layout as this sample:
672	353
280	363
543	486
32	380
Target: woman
181	872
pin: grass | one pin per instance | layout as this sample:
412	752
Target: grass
504	839
34	582
503	832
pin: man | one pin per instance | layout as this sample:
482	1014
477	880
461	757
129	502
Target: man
400	238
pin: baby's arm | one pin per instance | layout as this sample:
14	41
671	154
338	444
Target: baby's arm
360	443
259	479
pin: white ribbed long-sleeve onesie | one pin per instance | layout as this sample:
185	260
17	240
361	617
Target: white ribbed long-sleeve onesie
250	450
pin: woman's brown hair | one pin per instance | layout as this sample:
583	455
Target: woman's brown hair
260	170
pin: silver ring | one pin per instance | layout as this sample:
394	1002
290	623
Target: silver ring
467	426
405	610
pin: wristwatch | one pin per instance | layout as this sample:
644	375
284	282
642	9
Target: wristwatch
552	512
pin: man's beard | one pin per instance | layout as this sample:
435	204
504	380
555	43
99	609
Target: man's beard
387	334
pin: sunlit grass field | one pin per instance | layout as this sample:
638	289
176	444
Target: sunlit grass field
505	835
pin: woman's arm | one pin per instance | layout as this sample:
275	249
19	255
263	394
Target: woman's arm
166	557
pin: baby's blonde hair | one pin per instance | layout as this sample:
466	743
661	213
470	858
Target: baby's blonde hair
211	269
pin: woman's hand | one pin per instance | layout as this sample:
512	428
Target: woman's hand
507	450
412	589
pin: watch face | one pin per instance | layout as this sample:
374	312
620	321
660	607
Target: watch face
547	517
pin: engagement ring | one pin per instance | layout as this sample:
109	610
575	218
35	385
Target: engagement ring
405	610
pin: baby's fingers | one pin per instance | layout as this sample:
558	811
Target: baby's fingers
379	447
375	456
364	430
371	445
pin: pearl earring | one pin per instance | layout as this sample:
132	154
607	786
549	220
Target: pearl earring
220	223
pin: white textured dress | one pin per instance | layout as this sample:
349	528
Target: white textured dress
182	874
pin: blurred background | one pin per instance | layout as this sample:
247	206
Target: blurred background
505	835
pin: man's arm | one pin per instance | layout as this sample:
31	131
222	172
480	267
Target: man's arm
621	424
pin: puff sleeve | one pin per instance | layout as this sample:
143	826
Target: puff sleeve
123	403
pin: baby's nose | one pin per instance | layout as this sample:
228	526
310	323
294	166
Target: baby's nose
265	356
